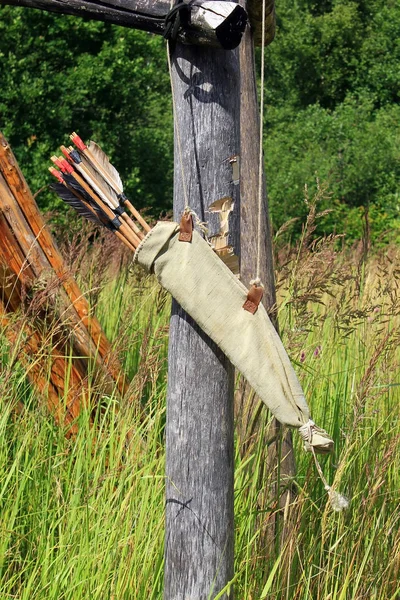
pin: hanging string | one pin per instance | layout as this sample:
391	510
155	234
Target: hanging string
257	280
308	432
337	501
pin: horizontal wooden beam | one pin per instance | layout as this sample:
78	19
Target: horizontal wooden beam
216	23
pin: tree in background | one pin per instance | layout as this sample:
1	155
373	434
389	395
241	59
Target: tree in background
333	95
332	88
59	74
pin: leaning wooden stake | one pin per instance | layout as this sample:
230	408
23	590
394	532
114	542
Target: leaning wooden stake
199	431
29	255
35	233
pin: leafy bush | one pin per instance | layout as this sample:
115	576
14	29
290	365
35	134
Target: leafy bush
333	112
59	74
332	89
355	149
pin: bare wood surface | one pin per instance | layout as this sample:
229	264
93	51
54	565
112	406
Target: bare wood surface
249	159
214	23
249	408
12	255
34	369
42	354
199	431
43	359
49	371
53	319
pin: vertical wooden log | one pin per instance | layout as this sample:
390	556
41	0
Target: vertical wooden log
248	406
249	151
199	471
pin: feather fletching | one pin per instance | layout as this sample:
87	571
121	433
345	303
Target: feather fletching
69	197
72	183
103	162
90	184
83	198
99	180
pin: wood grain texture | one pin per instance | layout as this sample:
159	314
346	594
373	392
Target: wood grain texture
249	408
207	25
34	369
199	472
249	151
32	235
44	314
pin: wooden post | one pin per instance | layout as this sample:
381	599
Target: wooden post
249	406
199	504
199	432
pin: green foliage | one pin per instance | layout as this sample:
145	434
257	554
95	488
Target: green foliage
355	149
320	56
84	517
61	74
332	90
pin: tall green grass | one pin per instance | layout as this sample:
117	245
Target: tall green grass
82	518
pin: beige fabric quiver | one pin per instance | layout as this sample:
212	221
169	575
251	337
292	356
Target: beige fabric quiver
214	297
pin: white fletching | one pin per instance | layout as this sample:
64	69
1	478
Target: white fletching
104	166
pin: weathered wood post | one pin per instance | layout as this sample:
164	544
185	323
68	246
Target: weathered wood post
199	511
199	538
249	406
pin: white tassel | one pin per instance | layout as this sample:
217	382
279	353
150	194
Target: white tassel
338	501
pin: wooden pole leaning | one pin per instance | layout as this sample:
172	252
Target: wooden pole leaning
28	255
96	343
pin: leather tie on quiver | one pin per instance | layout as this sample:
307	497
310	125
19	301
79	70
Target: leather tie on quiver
254	298
209	292
186	227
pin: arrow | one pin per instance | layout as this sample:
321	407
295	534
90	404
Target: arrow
75	196
80	186
100	186
99	160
